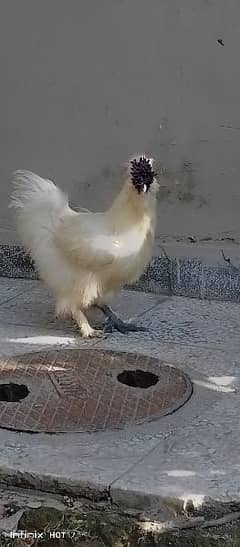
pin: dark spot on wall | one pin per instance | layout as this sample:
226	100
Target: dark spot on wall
106	172
201	201
185	196
181	185
164	193
186	182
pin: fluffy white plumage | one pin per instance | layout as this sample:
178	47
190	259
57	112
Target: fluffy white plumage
83	257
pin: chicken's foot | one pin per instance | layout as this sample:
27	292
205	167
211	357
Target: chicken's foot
114	322
85	328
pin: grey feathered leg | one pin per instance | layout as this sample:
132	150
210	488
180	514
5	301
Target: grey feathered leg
114	322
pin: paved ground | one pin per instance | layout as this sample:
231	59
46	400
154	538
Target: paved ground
192	454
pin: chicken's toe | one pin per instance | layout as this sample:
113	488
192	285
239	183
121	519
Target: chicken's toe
122	327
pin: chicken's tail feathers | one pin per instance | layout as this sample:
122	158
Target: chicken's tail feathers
38	205
30	191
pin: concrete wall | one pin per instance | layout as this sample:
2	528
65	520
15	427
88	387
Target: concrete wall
86	83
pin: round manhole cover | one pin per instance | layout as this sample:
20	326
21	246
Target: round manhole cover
87	390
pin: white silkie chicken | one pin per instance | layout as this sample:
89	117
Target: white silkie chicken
83	257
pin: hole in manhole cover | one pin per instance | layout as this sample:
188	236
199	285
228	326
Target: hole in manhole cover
137	378
13	393
88	390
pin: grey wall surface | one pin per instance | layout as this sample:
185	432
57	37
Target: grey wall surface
84	84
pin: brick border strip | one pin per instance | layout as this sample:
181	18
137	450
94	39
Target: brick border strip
183	277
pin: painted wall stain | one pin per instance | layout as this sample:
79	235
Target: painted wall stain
180	185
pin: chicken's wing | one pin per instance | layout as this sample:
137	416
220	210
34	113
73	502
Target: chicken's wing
86	238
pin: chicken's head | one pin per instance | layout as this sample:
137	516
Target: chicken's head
142	175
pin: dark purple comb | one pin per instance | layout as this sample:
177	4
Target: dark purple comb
141	172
